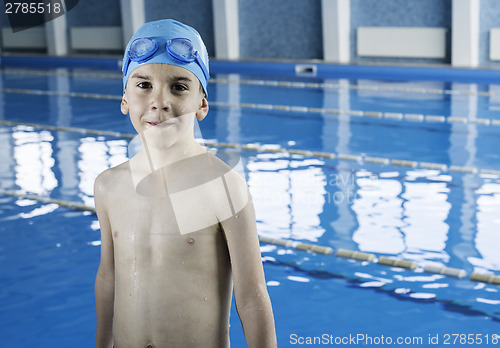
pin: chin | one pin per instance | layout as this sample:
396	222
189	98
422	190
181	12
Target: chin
160	137
160	143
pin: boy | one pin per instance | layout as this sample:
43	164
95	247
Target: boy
177	224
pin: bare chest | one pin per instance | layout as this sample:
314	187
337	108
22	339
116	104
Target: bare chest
151	227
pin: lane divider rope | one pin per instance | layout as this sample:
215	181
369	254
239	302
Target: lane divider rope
290	244
84	131
392	116
60	93
351	114
83	207
412	265
268	149
341	86
272	83
47	200
286	243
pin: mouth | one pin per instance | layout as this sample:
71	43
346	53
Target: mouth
161	124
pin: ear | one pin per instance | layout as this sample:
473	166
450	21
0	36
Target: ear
124	104
202	109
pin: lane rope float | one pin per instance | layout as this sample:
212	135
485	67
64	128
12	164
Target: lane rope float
290	244
47	200
272	83
318	249
412	265
289	108
361	159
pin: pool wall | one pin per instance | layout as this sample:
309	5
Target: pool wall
277	29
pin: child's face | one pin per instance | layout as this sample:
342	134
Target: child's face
156	97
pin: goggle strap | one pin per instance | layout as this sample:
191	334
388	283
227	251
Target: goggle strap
202	65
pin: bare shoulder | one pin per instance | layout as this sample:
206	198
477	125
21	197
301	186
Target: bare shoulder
221	168
110	179
229	193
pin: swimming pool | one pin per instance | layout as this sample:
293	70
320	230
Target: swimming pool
399	169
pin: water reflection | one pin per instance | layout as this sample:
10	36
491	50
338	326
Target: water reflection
34	163
43	162
94	156
379	212
426	209
288	195
487	238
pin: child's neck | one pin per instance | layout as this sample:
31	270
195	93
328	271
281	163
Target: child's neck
161	157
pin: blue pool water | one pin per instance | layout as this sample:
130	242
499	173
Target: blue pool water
416	177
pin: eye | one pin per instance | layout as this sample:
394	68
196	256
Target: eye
179	87
144	85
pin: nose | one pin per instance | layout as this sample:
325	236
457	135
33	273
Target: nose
160	101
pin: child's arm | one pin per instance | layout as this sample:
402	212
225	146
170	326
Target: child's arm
105	279
250	291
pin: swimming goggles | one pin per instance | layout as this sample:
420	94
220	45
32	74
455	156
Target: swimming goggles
180	49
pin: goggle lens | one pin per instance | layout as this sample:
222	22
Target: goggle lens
142	49
182	50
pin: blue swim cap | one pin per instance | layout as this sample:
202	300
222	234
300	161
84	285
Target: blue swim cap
160	32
